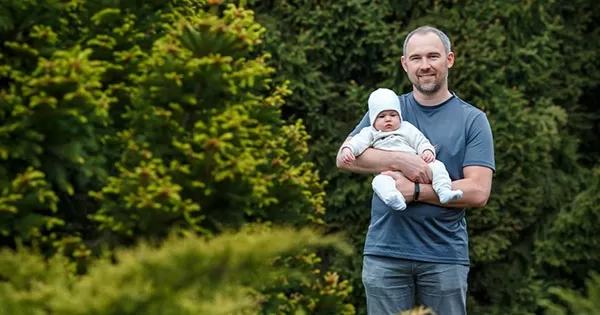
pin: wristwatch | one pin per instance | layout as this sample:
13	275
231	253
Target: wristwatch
417	191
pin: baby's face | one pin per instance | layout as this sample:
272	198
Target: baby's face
388	120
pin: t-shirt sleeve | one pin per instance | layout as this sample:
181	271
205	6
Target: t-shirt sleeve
364	122
480	144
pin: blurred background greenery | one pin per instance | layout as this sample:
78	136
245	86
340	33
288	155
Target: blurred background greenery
178	157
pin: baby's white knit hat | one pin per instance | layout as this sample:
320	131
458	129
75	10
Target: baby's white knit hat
381	100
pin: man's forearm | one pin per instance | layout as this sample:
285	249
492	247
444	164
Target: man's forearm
474	195
371	161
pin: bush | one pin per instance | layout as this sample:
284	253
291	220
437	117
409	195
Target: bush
185	275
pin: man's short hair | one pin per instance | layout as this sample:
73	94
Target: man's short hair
428	29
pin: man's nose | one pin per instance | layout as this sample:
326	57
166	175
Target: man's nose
425	64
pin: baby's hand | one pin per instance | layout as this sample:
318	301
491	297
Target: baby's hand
428	156
347	155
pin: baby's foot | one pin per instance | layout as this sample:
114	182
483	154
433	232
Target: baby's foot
385	187
449	195
396	202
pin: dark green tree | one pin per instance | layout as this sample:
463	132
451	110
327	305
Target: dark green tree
127	121
529	65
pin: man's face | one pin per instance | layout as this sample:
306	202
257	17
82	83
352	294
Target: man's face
426	63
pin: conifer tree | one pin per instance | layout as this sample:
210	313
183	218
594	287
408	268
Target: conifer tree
128	121
521	63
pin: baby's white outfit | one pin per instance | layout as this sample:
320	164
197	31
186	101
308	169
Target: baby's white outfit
407	138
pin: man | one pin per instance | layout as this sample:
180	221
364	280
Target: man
422	253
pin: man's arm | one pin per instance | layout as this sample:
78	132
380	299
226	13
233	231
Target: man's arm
476	186
359	143
371	161
374	161
477	175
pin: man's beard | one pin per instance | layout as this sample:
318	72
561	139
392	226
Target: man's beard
428	88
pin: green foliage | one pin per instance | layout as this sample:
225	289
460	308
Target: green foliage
520	62
124	121
419	310
572	242
28	189
222	147
187	275
573	302
322	296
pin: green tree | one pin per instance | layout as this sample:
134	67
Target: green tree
573	302
129	121
570	245
525	64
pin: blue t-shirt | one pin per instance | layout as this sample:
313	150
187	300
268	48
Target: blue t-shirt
462	136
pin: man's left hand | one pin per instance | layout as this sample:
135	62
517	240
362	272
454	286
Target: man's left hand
403	184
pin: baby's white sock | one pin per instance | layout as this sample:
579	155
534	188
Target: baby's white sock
385	187
449	195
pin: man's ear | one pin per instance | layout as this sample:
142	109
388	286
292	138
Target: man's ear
450	59
403	62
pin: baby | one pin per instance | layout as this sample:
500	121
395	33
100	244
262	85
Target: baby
389	132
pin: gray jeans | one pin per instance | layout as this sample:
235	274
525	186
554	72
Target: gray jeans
393	285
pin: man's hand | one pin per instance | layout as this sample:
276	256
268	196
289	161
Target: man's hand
428	156
347	156
403	184
415	168
374	161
